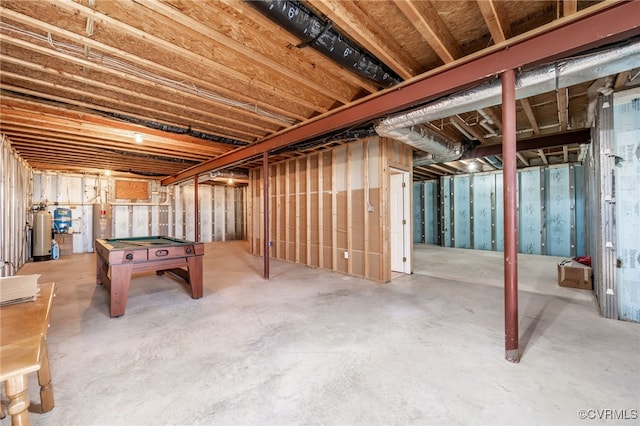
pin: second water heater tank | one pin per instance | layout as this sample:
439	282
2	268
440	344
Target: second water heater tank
102	219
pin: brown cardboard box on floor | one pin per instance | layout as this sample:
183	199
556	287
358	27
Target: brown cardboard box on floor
574	274
65	242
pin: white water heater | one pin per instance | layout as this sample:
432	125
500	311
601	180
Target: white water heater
102	219
42	236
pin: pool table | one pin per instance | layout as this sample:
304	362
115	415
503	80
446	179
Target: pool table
117	259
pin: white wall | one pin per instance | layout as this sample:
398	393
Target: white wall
168	211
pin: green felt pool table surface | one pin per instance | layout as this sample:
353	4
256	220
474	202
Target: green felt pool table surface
132	242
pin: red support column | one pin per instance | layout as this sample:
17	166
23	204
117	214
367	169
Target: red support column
196	228
265	178
510	188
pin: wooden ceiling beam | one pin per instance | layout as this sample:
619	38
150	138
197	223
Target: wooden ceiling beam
445	168
38	131
216	68
137	94
600	24
166	139
127	107
89	65
249	54
469	129
82	157
570	137
424	17
621	80
531	116
94	160
544	158
485	163
98	171
12	106
310	55
426	171
495	117
562	96
569	7
158	68
522	159
55	142
490	9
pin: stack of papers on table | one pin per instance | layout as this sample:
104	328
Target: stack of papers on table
19	288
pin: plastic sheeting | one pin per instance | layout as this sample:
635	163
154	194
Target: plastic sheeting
470	209
626	118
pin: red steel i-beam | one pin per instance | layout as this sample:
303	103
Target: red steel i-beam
265	178
510	187
606	22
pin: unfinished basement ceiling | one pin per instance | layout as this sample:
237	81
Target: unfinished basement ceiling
153	88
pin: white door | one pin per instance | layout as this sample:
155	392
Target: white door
400	261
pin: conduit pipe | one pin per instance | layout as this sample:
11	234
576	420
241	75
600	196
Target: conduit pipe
538	80
321	35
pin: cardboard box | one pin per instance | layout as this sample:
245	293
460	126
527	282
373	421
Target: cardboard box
575	275
65	242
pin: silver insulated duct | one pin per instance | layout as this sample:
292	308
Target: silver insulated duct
406	127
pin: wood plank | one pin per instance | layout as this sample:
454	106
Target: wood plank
195	106
74	8
528	110
215	67
365	211
494	19
349	212
334	211
424	17
562	96
321	208
248	54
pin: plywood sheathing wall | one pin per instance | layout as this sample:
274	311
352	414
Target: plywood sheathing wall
319	208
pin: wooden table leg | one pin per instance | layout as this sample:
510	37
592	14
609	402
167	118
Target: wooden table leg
99	269
16	389
194	265
44	379
120	281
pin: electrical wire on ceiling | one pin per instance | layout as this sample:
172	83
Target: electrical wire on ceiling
126	67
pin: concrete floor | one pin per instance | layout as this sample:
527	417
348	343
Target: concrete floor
314	347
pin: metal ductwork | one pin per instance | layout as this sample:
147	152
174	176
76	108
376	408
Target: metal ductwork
320	34
546	78
437	149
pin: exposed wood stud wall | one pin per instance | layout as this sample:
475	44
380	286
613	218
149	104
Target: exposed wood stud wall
321	209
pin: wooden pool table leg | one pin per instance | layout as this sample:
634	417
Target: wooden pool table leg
44	380
120	281
16	389
194	265
99	269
